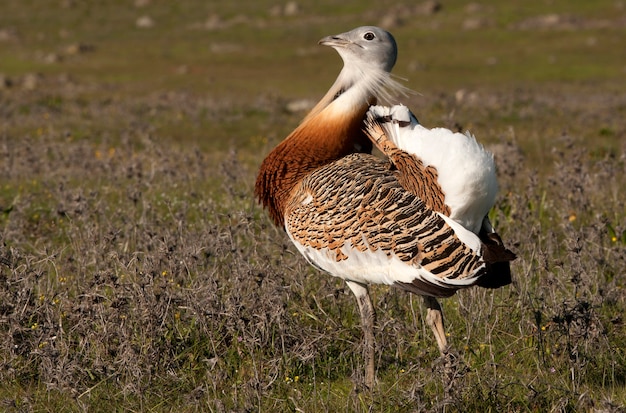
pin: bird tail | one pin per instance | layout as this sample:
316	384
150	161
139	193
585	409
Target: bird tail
497	257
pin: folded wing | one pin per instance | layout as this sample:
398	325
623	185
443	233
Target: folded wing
354	219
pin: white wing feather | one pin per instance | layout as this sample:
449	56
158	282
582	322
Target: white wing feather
466	170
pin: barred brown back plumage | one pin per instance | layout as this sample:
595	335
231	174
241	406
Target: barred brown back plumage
357	201
413	175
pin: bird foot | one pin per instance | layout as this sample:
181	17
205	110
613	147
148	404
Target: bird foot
451	366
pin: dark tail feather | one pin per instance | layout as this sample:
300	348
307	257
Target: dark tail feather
497	257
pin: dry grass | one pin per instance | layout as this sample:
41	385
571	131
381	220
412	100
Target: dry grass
138	274
145	277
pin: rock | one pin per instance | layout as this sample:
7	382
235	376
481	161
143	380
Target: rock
299	105
8	34
475	23
545	21
78	48
459	95
391	20
553	21
144	22
288	9
462	96
30	81
213	22
291	9
52	58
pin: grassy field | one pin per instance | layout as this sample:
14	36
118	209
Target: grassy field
138	274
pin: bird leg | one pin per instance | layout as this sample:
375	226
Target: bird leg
367	323
434	318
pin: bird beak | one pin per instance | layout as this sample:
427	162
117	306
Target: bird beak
334	41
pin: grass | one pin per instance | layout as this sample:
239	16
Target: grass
138	274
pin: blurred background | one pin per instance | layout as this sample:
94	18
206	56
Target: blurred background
137	272
244	56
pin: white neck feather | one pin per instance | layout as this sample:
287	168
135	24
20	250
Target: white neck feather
359	86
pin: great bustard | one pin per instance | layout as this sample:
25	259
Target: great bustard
416	220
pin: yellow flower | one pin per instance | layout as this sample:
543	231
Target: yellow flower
572	217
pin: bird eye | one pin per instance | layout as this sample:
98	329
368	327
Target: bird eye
369	36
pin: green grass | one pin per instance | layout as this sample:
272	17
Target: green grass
138	274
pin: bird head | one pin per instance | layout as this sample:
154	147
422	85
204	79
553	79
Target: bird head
367	45
368	53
